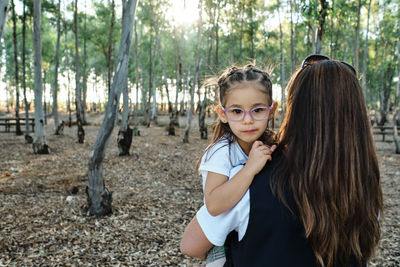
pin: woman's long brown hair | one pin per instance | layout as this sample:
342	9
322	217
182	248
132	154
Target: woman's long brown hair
329	164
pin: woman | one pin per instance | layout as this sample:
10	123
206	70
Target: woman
317	203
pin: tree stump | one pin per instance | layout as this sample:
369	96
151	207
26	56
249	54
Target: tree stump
40	148
99	207
60	128
81	133
28	139
124	141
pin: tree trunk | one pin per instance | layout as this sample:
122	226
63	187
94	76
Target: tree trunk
165	79
55	88
3	15
196	77
292	59
28	138
99	199
39	144
16	70
202	117
136	131
125	132
152	87
241	30
216	59
110	47
251	29
282	65
396	138
321	23
78	96
84	82
397	95
364	71
357	36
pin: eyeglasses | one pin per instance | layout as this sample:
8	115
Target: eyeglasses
311	59
259	113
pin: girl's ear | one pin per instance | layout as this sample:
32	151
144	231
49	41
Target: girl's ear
221	114
272	111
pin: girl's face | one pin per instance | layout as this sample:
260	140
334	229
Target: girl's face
246	95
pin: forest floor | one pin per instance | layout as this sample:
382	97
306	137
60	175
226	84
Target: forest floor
156	191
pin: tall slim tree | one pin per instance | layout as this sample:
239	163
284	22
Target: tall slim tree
85	74
39	141
99	198
16	70
110	46
125	132
364	70
357	36
28	138
282	64
196	77
3	15
321	25
78	96
57	61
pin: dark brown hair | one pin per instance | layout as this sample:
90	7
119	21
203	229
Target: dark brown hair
329	164
229	78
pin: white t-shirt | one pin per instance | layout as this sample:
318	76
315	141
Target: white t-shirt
227	160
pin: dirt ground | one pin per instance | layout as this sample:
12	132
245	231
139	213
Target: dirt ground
155	193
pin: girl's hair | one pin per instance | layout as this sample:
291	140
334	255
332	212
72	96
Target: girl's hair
229	78
329	164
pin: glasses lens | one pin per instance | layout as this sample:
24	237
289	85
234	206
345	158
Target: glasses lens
260	113
312	59
234	114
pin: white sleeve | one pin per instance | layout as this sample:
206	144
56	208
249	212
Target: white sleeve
216	159
216	228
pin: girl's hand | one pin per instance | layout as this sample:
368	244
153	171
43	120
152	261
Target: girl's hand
258	157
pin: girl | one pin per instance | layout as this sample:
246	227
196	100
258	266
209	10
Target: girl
241	138
317	203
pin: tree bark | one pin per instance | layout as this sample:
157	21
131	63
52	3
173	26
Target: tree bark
196	77
202	117
78	96
39	144
3	15
396	138
110	47
321	25
357	36
16	70
364	71
136	131
84	82
99	199
125	132
55	88
282	65
292	59
28	138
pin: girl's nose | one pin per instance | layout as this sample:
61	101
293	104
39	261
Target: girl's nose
248	118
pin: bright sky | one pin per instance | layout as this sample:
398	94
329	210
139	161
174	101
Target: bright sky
183	11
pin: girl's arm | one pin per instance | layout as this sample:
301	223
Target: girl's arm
194	243
222	194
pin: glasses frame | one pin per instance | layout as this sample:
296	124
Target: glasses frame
245	112
311	59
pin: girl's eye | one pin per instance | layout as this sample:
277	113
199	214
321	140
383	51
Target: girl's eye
236	111
258	110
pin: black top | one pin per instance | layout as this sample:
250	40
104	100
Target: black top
274	236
